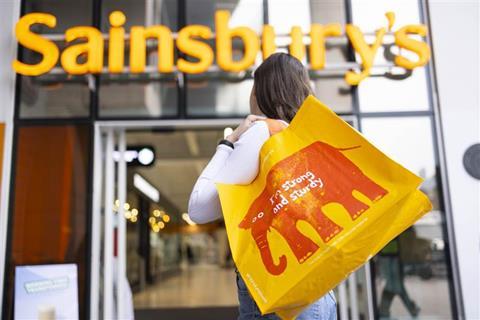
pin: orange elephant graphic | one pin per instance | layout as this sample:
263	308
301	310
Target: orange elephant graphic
297	188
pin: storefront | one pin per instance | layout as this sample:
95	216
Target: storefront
69	131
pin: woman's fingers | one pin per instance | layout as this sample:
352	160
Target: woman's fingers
247	123
254	117
251	118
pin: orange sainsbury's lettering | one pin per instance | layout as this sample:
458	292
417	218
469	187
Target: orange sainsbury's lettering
116	45
187	44
224	39
92	49
191	41
37	43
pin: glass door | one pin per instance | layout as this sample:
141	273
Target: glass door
147	256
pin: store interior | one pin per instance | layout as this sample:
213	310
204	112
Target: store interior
171	261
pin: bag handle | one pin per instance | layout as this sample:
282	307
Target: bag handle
274	126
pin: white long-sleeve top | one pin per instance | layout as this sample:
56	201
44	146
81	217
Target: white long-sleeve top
233	166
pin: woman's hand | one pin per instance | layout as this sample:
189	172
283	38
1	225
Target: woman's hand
246	123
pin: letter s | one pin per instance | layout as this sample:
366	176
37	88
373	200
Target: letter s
36	43
420	48
187	44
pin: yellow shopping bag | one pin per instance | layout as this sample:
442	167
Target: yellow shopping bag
324	202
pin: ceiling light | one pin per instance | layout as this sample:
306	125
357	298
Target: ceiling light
146	156
146	188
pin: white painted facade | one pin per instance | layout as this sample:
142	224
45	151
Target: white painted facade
9	9
456	47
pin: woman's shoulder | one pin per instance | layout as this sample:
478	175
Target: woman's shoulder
258	128
263	129
275	125
256	133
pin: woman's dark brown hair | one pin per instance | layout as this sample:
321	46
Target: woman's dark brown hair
281	84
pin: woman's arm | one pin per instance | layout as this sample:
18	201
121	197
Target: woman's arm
234	166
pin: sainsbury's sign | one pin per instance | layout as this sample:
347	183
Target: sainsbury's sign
190	40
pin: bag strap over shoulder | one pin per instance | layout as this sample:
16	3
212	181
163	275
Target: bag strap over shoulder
274	126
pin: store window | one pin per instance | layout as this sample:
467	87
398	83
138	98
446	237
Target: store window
332	89
142	13
69	13
334	92
390	86
43	98
385	93
217	93
212	94
298	12
242	12
55	95
369	15
133	99
328	84
50	189
208	96
416	261
393	87
144	95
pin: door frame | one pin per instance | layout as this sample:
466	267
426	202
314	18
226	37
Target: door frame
116	130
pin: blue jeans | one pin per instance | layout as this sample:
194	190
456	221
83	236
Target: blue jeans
323	309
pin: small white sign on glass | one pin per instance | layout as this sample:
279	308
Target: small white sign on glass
46	292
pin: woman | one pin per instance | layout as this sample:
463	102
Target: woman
281	83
